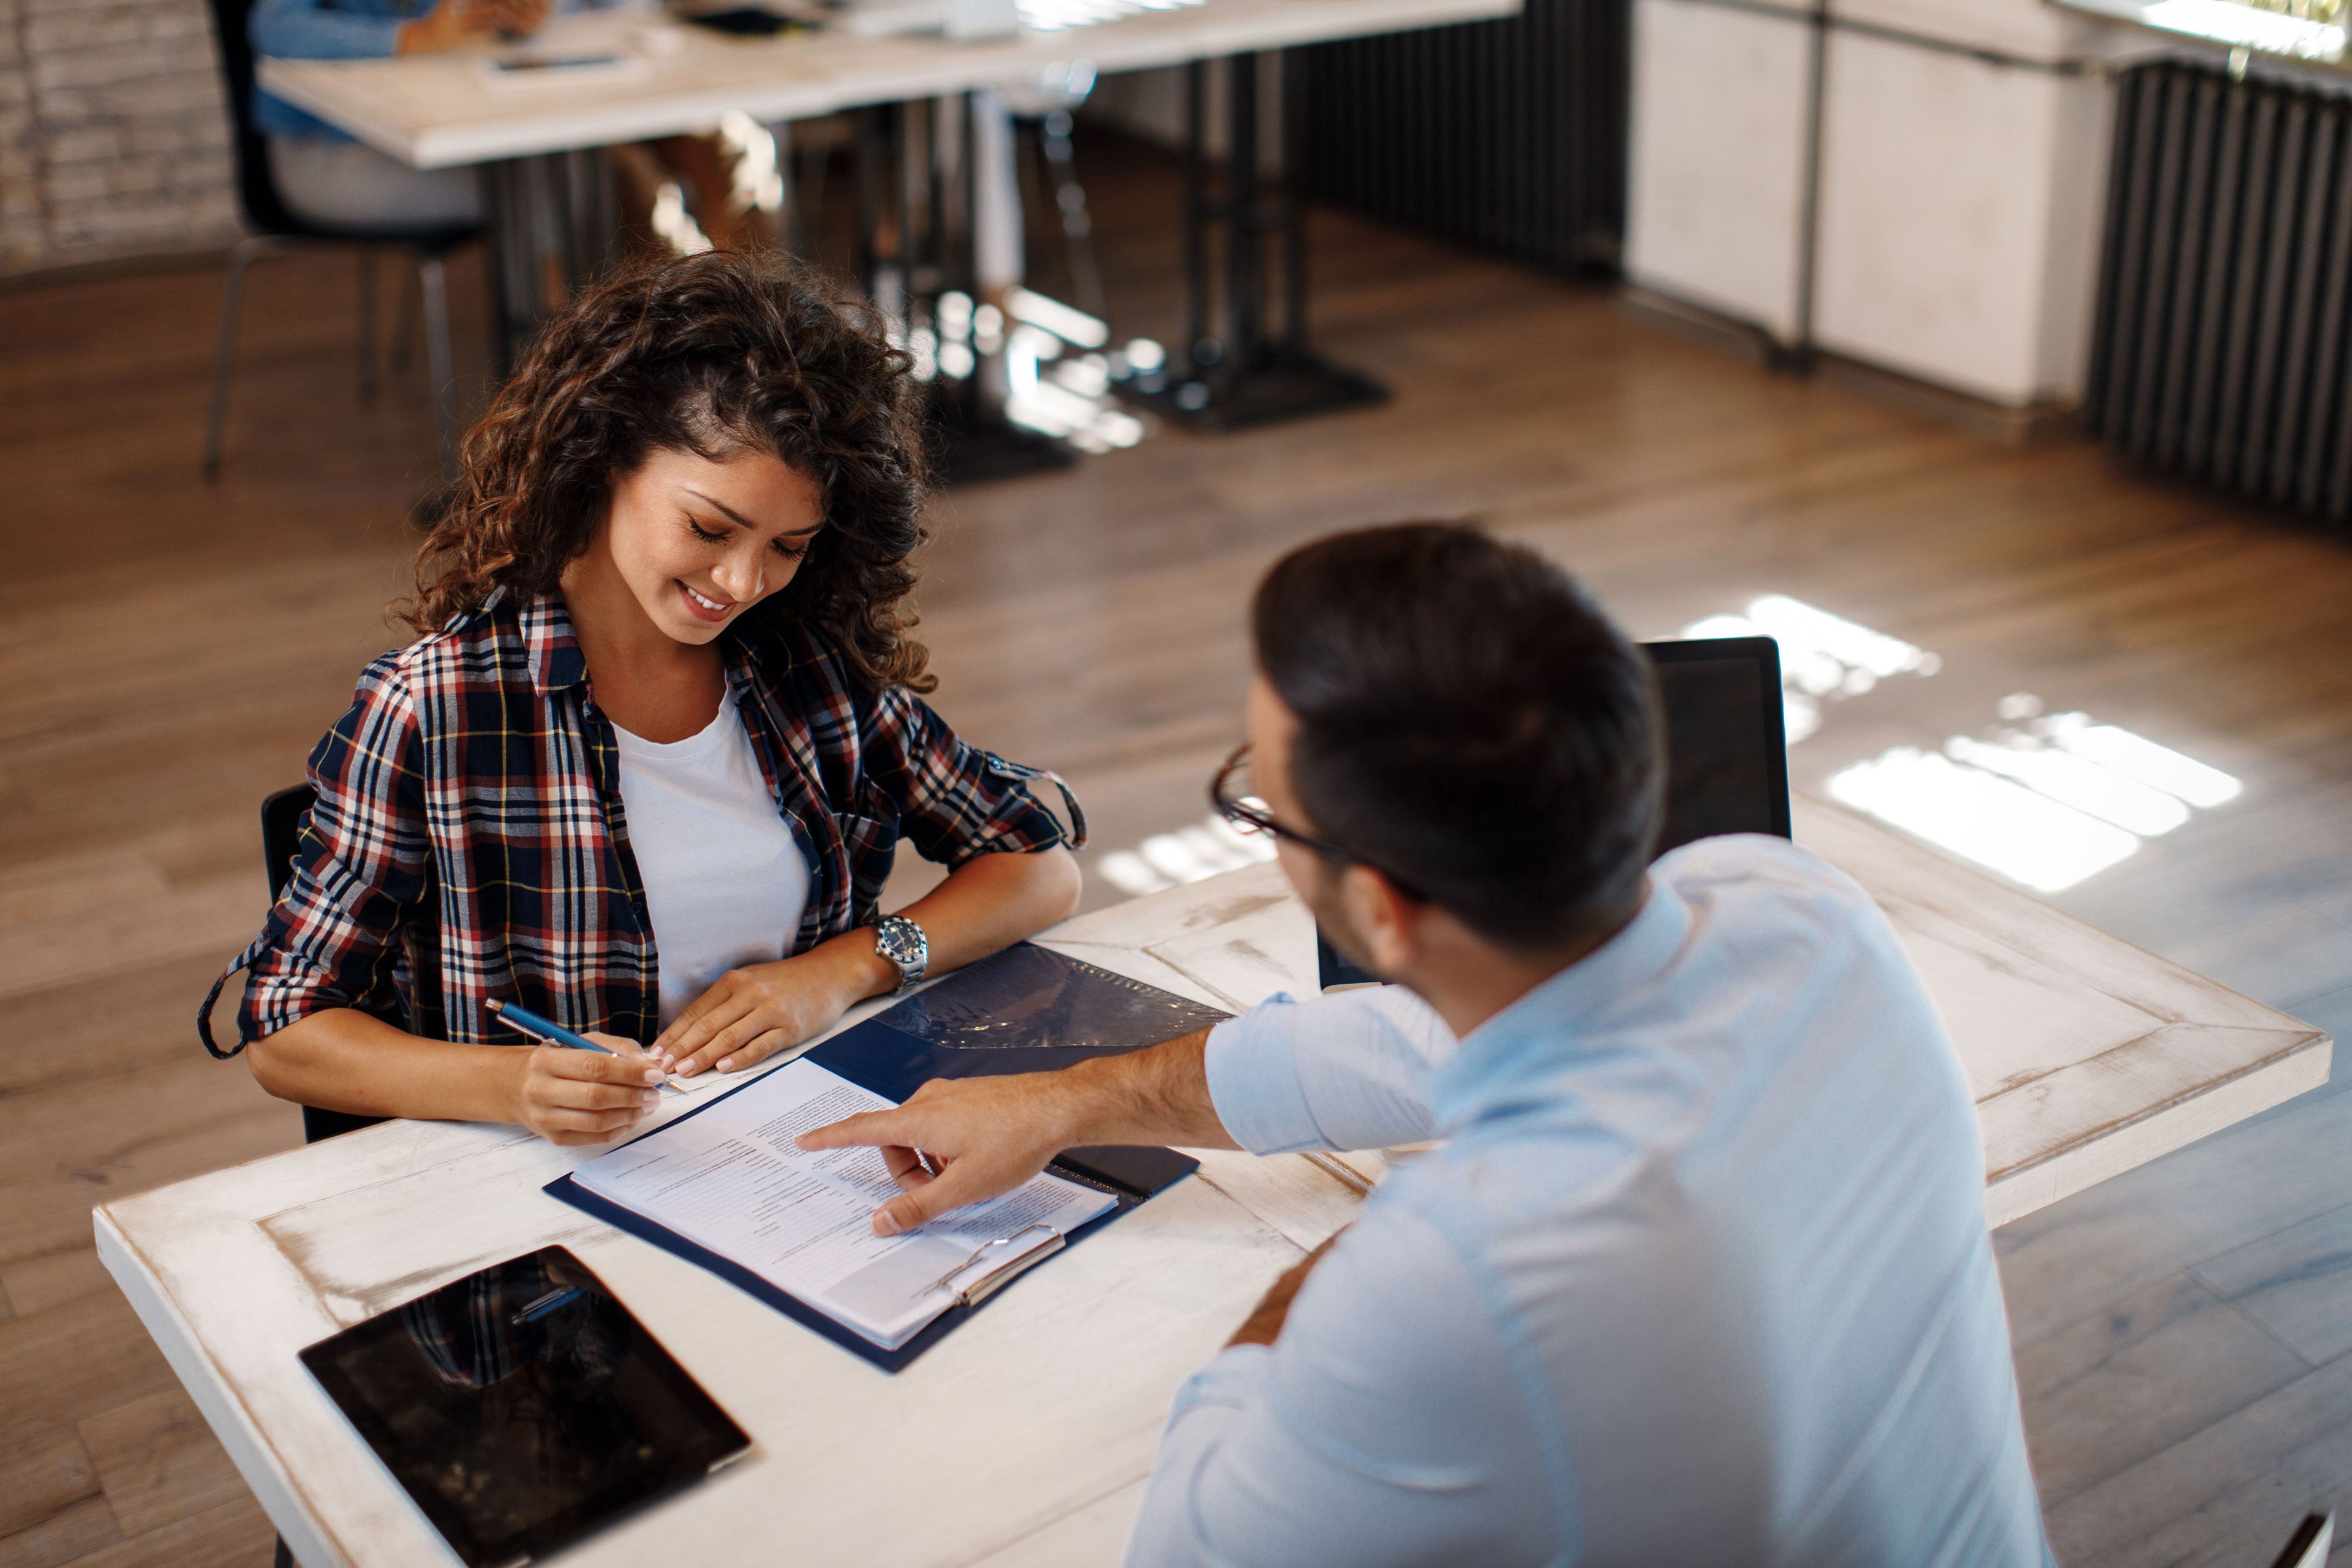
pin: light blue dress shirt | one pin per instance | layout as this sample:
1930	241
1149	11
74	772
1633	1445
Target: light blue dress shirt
1701	1274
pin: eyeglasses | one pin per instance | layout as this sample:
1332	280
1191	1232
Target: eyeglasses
1228	793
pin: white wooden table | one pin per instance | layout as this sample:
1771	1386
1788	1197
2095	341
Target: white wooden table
1026	1436
435	111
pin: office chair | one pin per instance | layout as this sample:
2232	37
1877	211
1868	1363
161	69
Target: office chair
281	833
278	231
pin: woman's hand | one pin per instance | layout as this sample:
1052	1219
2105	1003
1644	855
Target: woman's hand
580	1097
752	1013
988	902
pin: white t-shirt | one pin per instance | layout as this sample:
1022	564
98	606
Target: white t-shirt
725	884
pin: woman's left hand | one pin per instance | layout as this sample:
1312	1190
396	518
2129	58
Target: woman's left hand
750	1014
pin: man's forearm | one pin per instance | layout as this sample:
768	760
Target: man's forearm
1157	1095
964	1141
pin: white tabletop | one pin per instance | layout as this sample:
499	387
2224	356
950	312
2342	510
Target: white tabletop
435	111
1025	1437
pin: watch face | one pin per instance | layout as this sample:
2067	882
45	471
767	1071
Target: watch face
899	945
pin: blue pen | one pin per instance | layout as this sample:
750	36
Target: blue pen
531	1023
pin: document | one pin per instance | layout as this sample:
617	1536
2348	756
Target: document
729	1178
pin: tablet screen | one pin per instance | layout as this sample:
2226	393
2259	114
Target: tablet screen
523	1406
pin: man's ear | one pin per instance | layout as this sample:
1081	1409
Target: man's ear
1386	921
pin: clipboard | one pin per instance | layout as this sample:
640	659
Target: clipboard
566	1190
1026	1009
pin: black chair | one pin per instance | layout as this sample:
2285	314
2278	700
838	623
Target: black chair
281	832
278	231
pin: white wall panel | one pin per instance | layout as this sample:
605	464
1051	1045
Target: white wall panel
1718	158
2027	29
1958	218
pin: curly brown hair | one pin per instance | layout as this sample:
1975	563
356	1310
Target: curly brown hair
714	354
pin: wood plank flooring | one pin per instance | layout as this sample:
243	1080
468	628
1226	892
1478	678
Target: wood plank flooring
170	650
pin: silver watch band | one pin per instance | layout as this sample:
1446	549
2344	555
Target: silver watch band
902	942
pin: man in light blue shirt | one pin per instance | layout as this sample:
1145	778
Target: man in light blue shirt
1700	1274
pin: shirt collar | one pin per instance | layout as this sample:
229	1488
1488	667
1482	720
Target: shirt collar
549	646
551	649
1526	1039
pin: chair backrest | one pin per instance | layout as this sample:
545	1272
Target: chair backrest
281	833
255	191
281	838
2308	1547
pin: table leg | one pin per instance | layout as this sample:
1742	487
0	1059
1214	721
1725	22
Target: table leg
1247	376
970	229
552	227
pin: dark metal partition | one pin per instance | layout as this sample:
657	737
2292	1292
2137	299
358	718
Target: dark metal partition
2223	348
1507	135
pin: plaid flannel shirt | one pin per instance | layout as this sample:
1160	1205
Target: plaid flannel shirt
468	840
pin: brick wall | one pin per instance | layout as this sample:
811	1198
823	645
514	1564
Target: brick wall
113	140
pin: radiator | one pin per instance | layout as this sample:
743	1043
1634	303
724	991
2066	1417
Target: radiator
2221	348
1507	135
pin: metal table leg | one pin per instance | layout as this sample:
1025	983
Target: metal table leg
552	227
1247	375
925	268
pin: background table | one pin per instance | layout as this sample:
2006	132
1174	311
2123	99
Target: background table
530	138
1027	1436
436	110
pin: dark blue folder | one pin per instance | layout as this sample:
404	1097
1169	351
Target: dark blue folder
1027	1009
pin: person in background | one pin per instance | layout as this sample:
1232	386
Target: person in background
1701	1274
646	769
725	189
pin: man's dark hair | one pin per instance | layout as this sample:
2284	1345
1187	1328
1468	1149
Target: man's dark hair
1469	724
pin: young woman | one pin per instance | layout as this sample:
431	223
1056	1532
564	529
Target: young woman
646	769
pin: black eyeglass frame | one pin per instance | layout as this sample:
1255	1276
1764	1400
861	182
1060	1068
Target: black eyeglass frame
1246	812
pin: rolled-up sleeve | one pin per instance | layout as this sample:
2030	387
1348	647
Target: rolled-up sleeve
1384	1427
955	800
1343	1071
363	866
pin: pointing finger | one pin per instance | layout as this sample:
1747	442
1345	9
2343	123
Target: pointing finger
870	1129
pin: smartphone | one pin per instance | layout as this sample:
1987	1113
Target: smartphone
748	22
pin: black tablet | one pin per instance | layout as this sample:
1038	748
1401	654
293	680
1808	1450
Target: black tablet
1727	752
523	1406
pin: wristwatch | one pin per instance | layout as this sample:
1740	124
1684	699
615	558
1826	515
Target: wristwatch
902	942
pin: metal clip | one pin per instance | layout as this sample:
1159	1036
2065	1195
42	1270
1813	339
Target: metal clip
988	1284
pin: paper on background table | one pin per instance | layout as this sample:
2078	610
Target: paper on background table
730	1179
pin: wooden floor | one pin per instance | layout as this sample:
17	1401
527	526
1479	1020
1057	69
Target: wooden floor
168	651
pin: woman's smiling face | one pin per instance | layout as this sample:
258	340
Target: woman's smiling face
697	542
